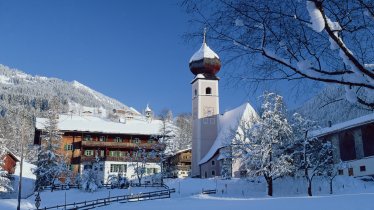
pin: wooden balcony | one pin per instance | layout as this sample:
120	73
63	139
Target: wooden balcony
126	145
120	159
183	167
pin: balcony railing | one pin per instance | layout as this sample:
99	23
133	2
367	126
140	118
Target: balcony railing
121	145
121	159
183	167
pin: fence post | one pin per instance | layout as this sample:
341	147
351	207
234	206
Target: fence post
65	200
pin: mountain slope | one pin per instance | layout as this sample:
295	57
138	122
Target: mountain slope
18	88
22	95
330	105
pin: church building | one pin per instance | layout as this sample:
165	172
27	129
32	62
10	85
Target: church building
211	131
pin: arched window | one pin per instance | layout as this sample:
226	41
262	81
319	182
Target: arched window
208	91
347	146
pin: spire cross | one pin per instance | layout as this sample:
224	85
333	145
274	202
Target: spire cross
204	34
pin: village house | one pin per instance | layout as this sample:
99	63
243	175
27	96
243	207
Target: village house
353	143
178	164
115	144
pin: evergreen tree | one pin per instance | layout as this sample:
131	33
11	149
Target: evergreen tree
50	163
5	182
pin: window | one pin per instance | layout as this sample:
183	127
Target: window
213	173
213	163
118	139
87	138
350	171
101	153
151	141
112	153
88	152
68	147
195	92
102	138
340	172
87	167
362	168
115	168
206	174
208	91
135	140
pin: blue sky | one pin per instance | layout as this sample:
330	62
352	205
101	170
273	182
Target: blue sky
132	51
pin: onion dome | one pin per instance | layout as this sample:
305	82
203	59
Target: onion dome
205	61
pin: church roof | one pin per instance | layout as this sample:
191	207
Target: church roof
203	52
229	123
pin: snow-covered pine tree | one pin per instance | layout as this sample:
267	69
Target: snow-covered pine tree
264	145
5	183
50	164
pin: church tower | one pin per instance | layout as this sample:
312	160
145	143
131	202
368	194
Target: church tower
204	64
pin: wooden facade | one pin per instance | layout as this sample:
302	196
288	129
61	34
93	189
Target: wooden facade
179	164
83	147
10	162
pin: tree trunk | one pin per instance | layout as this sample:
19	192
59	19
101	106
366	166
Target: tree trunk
270	186
310	187
330	186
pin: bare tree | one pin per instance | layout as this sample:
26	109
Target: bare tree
329	41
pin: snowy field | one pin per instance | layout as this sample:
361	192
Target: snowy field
289	194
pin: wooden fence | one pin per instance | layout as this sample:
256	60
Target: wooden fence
76	186
160	194
208	191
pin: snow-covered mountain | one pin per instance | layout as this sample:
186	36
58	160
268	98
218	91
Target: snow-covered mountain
331	105
23	93
21	89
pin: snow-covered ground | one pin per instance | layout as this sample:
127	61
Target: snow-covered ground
290	193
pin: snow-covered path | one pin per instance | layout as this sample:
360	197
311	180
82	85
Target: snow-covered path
289	194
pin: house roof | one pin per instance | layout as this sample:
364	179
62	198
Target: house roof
229	123
366	119
137	126
12	155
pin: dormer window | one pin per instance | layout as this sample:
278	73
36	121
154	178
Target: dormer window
208	91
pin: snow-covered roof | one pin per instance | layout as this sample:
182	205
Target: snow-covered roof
147	109
203	52
95	124
344	125
229	122
181	151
